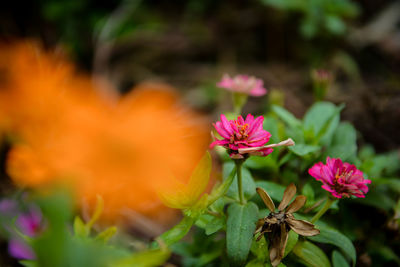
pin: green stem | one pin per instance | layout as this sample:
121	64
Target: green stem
239	164
237	110
321	212
239	100
213	213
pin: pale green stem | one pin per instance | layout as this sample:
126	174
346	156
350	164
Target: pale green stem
237	110
213	213
239	100
239	164
321	212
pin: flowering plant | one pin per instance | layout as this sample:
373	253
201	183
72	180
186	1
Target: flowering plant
118	177
28	224
279	223
243	138
340	179
243	84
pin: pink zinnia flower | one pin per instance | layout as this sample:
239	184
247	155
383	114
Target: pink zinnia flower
29	224
245	84
244	137
342	179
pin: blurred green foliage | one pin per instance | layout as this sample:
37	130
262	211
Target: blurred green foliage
57	245
319	17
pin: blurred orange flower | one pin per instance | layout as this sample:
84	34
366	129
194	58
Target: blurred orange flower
66	132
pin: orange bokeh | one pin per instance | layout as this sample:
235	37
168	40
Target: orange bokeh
64	131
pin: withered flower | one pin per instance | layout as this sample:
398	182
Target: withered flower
278	224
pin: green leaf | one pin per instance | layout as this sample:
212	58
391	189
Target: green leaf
215	224
204	220
308	192
331	236
303	149
319	116
308	27
29	263
269	162
338	260
255	263
248	185
208	257
378	165
51	246
275	191
344	143
105	235
387	253
311	254
260	249
201	250
201	175
185	196
288	4
327	133
271	125
335	25
177	232
241	224
220	190
199	207
286	116
80	228
96	214
148	258
378	197
292	241
218	205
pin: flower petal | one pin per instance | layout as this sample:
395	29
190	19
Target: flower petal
256	124
271	220
289	193
259	225
250	119
226	124
280	249
20	250
221	130
236	156
226	82
219	143
297	204
258	92
266	198
302	227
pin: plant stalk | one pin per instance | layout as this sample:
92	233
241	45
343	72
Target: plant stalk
321	212
239	164
239	100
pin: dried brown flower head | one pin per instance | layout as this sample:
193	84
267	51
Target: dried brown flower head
278	224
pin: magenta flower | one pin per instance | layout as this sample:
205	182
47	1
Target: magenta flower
30	224
16	222
342	179
244	137
18	249
244	84
8	207
321	76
